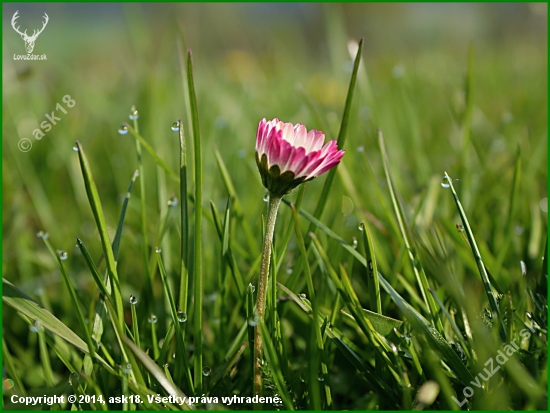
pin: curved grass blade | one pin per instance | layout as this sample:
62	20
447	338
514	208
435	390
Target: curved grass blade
372	270
184	229
475	251
95	203
7	360
382	324
341	136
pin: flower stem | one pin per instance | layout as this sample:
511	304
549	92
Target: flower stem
272	208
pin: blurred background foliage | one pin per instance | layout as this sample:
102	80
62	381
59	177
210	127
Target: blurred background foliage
285	60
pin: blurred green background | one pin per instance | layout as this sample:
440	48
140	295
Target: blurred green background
285	60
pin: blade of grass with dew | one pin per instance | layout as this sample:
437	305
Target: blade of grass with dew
414	317
95	203
382	324
184	226
197	260
142	198
341	137
177	324
477	256
416	266
275	366
372	270
88	367
319	344
159	161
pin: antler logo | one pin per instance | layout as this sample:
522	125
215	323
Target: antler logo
29	40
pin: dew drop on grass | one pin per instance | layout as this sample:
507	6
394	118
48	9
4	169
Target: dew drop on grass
123	130
523	268
360	228
266	198
206	371
133	300
253	321
176	126
35	327
62	255
134	115
182	317
165	366
251	287
158	250
152	319
354	243
445	182
289	269
127	369
302	296
173	201
460	228
174	355
75	148
320	377
360	149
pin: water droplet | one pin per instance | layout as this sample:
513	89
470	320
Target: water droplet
127	369
133	300
176	126
62	255
360	149
174	355
460	228
182	317
360	228
253	321
7	384
320	377
302	296
354	243
206	371
158	250
289	269
266	198
123	130
153	319
544	204
393	347
529	315
42	234
397	72
165	365
445	182
136	173
173	201
35	327
75	148
134	115
523	268
251	287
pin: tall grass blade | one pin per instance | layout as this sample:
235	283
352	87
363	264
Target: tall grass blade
341	136
184	226
197	261
372	270
95	203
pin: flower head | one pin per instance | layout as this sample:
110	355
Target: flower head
288	155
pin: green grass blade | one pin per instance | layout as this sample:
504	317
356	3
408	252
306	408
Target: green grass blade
274	366
475	250
92	267
382	324
159	161
7	360
97	210
341	136
416	267
197	261
372	270
184	225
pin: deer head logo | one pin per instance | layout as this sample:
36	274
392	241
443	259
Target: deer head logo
29	40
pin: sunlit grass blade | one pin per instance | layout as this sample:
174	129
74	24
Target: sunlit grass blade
95	203
481	267
21	302
159	161
382	324
416	267
92	267
341	136
155	370
197	260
